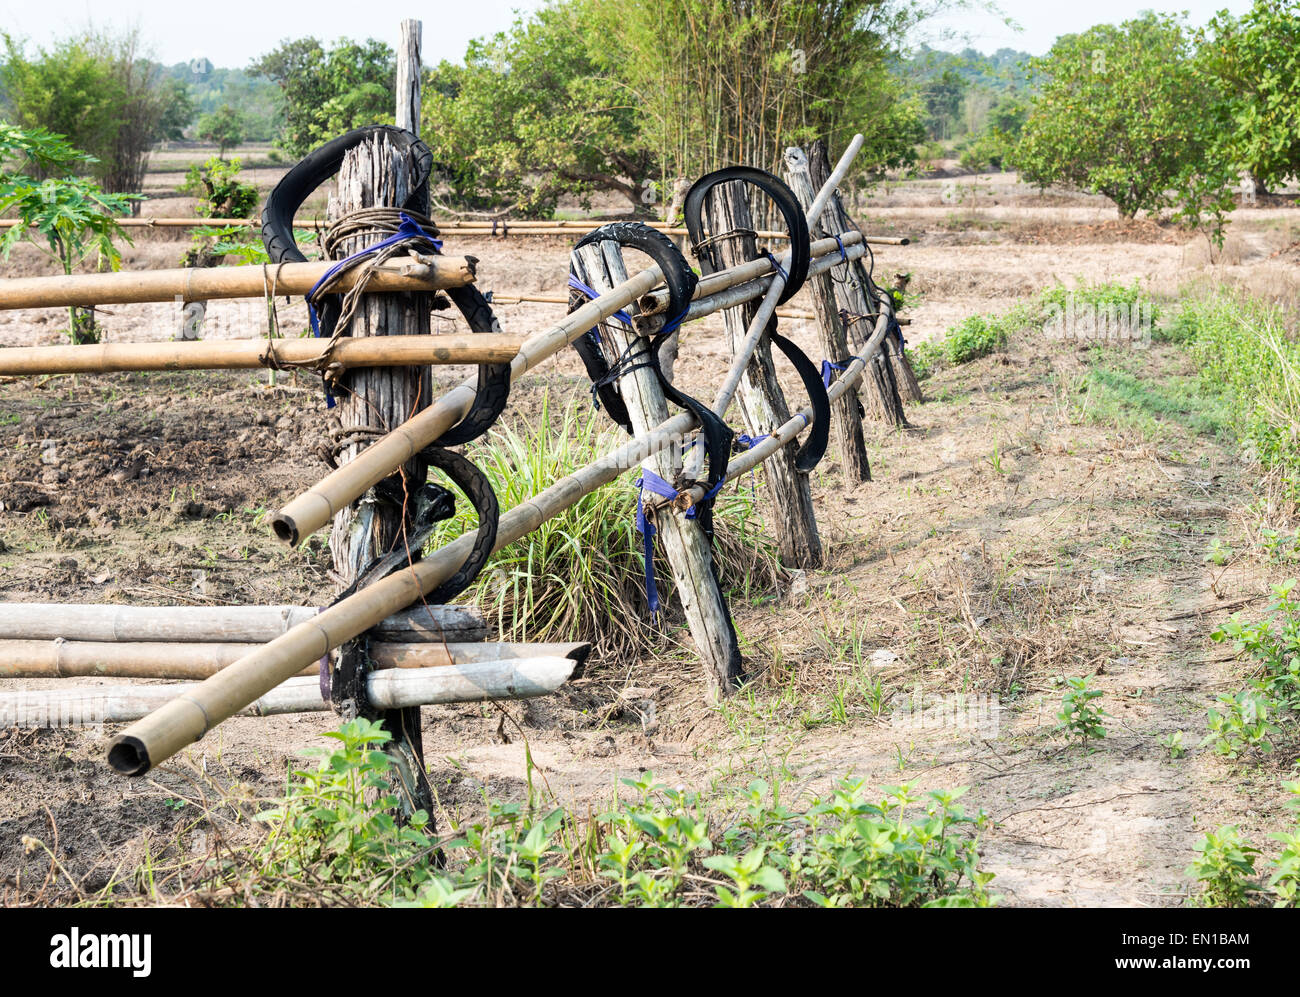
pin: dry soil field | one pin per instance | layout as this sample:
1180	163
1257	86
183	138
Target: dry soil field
1012	535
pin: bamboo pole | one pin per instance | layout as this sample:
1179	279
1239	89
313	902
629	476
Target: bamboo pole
185	719
392	689
247	354
57	659
310	511
831	336
403	273
523	227
220	624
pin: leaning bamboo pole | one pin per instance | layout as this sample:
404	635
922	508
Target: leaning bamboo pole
403	273
397	688
311	510
61	659
219	624
247	354
186	718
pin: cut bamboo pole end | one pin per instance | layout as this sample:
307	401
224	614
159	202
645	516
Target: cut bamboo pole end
403	273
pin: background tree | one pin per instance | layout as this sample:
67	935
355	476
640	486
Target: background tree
99	90
1124	111
69	218
329	91
1256	60
224	128
530	115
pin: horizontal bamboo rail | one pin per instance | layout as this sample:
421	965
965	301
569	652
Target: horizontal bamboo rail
514	678
311	510
244	354
402	273
59	659
219	624
186	718
563	226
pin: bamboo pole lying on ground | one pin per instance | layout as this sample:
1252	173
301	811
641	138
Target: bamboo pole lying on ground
403	273
247	354
186	718
397	688
221	624
311	510
57	659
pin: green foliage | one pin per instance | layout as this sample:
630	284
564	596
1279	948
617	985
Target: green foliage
1256	58
1173	743
1247	356
258	99
973	337
333	827
1285	881
327	92
69	218
1126	111
1267	710
1077	716
1225	869
531	115
331	835
580	575
224	128
716	82
220	192
102	93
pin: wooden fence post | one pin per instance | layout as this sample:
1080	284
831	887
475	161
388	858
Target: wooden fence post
376	174
600	265
847	423
762	402
883	401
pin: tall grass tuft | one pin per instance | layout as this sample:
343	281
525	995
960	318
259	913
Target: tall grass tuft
581	576
1246	350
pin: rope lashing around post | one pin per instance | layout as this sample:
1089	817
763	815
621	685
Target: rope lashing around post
278	236
592	294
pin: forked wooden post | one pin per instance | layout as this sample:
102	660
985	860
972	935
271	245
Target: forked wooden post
600	265
375	399
882	400
847	422
762	402
908	385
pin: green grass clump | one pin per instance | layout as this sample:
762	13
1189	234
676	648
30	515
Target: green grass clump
580	575
1248	356
653	847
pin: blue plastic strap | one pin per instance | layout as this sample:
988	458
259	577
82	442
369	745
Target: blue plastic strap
407	230
654	483
828	366
779	269
592	294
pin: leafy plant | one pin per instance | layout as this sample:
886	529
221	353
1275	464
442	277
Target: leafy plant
224	128
1225	868
1173	743
73	218
1077	716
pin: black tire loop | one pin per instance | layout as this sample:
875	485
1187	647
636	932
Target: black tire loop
277	236
681	281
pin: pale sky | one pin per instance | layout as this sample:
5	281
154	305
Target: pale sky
233	32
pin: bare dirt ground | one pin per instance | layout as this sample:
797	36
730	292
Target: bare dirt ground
1011	536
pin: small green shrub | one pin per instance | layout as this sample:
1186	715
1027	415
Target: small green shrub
1077	716
1225	869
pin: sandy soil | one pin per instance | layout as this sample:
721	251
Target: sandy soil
1005	540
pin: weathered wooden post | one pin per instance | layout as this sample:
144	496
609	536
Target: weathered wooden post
908	386
600	265
372	400
847	422
762	402
883	400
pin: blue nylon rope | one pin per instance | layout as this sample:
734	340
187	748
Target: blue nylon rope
779	269
592	294
844	257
